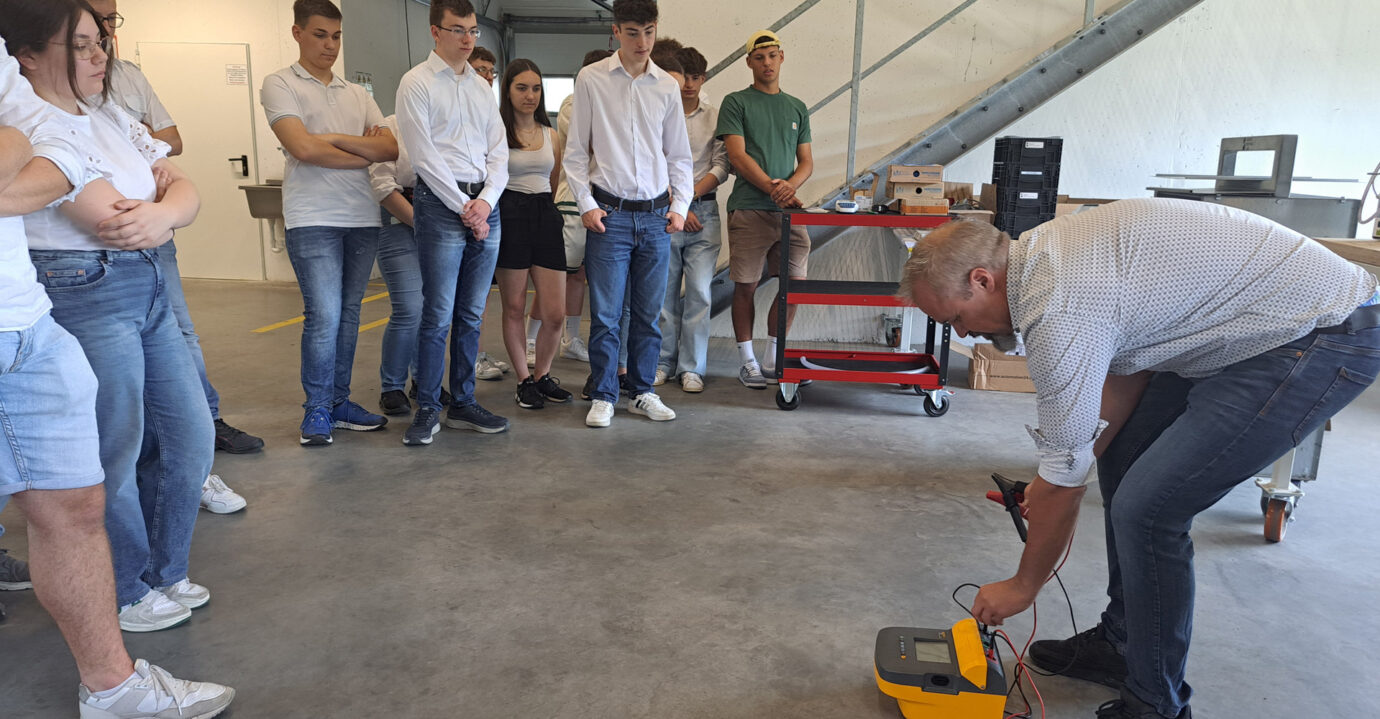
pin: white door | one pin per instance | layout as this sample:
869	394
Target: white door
206	89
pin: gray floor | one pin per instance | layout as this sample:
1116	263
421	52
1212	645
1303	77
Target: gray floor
736	562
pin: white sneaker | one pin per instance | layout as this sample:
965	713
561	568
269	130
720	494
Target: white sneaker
531	353
574	348
600	414
649	405
153	693
485	368
751	376
152	613
218	498
660	378
189	595
691	382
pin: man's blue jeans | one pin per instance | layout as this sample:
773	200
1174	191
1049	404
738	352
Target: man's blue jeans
332	266
402	272
1186	445
630	256
156	435
457	271
685	320
167	257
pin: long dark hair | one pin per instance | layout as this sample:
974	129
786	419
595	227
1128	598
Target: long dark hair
505	100
31	24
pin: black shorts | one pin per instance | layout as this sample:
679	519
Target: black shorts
531	232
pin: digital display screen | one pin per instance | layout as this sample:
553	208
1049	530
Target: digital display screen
930	650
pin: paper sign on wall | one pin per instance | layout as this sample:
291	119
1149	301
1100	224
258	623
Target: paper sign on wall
236	74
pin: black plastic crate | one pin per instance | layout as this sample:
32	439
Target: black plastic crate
1014	225
1028	181
1032	152
1030	203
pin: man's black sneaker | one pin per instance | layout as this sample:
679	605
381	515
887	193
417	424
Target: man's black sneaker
445	396
1086	655
528	396
394	402
551	390
229	439
1129	706
474	417
587	393
425	425
625	384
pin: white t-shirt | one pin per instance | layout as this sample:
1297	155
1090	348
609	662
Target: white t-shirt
131	90
320	196
126	152
529	171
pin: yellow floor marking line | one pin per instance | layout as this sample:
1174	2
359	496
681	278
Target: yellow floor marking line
299	318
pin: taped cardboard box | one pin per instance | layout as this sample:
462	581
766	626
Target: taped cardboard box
915	173
992	369
918	190
923	206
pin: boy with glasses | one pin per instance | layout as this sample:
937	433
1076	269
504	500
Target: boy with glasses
627	112
450	124
484	63
331	132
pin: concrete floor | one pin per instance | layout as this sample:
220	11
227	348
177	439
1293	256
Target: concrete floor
736	562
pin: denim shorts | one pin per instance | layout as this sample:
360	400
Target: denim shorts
47	412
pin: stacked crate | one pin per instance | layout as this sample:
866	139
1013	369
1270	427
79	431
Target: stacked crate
1025	171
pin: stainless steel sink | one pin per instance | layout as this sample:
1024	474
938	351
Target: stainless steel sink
265	201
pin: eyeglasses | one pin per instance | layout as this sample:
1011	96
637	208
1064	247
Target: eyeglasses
485	71
114	20
460	31
86	50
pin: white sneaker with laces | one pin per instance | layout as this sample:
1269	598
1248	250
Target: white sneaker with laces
153	693
531	353
649	405
600	414
152	613
189	595
691	382
574	348
218	498
485	368
660	378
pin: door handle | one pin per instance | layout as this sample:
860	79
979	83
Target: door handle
244	164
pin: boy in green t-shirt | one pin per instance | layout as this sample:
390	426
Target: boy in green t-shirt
767	134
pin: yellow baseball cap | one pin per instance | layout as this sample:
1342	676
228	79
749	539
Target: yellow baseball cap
761	39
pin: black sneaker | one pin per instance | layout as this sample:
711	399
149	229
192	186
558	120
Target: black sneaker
425	425
551	389
1129	706
528	396
229	439
446	399
587	393
474	417
1086	655
394	402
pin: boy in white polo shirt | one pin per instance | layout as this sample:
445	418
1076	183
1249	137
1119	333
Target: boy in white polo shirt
331	132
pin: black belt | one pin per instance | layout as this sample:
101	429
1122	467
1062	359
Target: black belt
618	203
1362	318
707	197
406	192
471	188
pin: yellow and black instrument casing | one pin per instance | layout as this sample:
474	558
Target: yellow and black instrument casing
940	673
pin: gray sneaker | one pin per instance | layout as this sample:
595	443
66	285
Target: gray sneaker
751	376
14	573
153	693
474	417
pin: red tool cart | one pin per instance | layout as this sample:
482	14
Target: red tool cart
924	372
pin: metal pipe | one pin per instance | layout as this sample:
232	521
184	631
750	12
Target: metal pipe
785	19
1088	13
857	87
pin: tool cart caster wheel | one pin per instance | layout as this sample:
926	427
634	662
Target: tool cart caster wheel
937	410
1277	516
787	404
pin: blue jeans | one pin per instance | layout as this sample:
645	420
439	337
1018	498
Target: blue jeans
457	271
1186	445
156	435
332	266
685	320
630	257
403	272
167	257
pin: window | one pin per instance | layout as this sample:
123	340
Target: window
555	89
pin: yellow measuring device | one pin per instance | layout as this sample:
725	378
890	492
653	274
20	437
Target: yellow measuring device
940	673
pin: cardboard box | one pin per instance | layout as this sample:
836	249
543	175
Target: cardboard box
930	191
915	173
988	198
923	206
987	216
992	369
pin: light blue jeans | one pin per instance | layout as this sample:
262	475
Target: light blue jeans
332	266
167	257
457	271
156	434
685	320
402	272
630	257
1186	445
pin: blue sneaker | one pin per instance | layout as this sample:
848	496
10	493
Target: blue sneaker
348	415
316	427
424	426
474	417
